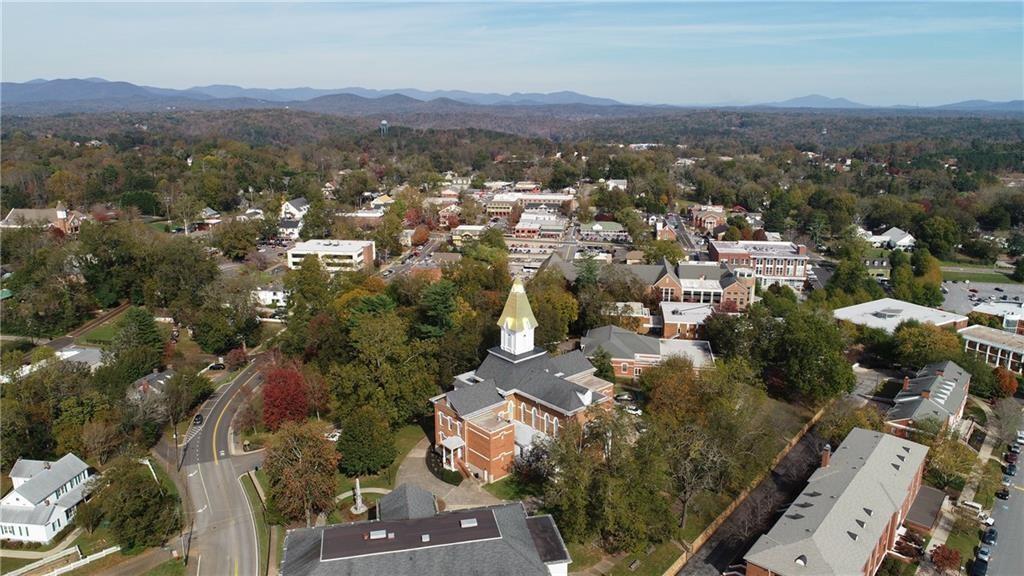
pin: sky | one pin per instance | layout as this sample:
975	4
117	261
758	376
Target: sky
878	53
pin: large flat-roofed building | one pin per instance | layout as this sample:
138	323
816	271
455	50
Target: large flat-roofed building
995	347
1010	314
783	263
888	313
335	255
496	540
846	519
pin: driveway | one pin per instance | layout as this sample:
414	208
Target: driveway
413	470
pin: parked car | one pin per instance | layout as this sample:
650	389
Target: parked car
1003	494
1011	469
333	435
624	397
979	567
1007	481
217	366
633	409
1012	457
972	290
998	289
197	420
990	537
1015	448
984	553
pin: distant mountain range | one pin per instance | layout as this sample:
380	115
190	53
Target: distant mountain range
47	97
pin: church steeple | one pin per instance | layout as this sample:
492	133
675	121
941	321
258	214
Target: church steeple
517	321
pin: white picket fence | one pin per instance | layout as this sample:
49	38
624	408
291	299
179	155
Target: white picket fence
44	561
84	561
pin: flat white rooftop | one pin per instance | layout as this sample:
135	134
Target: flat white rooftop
1013	309
994	337
888	313
330	246
759	248
686	312
698	351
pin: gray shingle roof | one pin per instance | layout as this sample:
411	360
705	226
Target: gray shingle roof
514	553
44	481
571	363
832	528
619	342
535	377
405	502
946	384
469	398
299	203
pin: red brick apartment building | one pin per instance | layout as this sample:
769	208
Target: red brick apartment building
518	393
846	520
783	263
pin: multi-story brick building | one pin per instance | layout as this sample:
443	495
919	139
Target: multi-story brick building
783	263
698	282
938	392
846	520
518	393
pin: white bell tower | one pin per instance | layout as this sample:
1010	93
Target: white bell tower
517	321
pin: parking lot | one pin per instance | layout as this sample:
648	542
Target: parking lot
958	294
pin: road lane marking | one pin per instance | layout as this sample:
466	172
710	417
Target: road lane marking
202	509
200	466
236	566
216	425
252	518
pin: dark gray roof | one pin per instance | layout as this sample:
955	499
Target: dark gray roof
547	539
648	273
512	552
946	384
618	342
405	502
288	224
695	271
571	363
567	269
535	377
469	398
299	203
927	506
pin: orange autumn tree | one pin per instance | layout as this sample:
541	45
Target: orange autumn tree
1006	382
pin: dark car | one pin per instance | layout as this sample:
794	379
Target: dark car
1003	494
998	289
990	537
1012	457
217	366
197	420
1011	469
979	568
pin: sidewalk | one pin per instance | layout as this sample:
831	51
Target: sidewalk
39	555
941	533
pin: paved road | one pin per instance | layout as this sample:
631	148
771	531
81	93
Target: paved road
1008	555
224	537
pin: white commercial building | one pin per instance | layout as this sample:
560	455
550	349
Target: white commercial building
335	255
888	313
43	499
995	347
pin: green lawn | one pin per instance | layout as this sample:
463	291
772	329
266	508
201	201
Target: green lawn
260	519
965	544
169	568
406	438
509	489
12	564
991	481
661	558
704	508
583	555
976	413
159	225
20	345
989	276
102	334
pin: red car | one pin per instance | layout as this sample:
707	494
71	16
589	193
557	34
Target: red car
1011	457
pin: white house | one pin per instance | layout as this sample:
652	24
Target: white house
289	229
892	239
44	498
382	202
295	209
272	296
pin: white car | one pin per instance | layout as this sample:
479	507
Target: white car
633	409
333	435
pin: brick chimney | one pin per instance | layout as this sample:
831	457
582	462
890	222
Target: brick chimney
826	455
925	393
906	383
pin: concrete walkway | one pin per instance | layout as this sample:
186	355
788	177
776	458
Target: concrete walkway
39	555
941	532
413	470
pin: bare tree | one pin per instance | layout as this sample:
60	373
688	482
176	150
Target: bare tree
696	464
1007	419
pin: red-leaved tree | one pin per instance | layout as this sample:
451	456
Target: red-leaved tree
945	559
285	397
1006	383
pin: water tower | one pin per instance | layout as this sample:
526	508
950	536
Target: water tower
383	127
